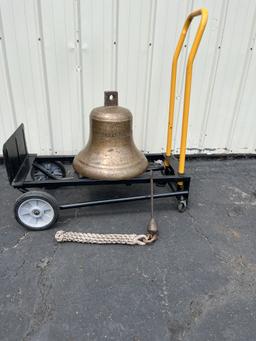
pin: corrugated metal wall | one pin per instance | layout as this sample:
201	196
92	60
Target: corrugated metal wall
58	56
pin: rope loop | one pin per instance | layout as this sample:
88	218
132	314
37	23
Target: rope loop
100	238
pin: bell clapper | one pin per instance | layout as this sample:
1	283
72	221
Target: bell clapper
152	225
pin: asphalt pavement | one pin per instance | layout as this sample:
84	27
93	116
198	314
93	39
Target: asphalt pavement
197	282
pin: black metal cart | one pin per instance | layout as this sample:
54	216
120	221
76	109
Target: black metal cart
39	210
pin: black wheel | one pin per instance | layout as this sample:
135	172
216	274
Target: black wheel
36	210
56	168
182	205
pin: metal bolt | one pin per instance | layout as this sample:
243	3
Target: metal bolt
36	212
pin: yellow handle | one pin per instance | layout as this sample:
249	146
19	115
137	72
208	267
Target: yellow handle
204	17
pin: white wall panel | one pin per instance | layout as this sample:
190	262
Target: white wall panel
57	58
205	67
59	44
233	58
133	59
24	70
98	49
7	111
169	19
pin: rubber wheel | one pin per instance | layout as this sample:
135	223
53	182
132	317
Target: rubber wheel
182	205
36	210
56	168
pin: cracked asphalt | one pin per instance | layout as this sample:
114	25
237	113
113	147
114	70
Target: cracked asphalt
197	282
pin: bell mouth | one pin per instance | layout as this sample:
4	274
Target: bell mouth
110	172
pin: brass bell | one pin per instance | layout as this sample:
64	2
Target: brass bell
110	153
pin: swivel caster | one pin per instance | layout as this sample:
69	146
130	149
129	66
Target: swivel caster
182	205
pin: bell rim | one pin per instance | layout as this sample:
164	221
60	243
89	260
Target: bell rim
103	173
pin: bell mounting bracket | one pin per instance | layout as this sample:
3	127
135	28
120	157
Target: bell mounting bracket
110	98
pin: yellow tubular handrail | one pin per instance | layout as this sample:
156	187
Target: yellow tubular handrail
204	17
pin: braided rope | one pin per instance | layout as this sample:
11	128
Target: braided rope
99	238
